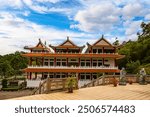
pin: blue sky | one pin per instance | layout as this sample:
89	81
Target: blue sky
23	22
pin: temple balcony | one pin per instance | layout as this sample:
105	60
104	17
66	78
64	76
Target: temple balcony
71	53
73	67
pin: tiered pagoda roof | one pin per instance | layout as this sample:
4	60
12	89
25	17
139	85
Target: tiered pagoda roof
102	42
39	46
67	44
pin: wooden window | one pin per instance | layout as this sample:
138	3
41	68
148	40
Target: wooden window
46	63
99	50
94	64
58	64
87	64
99	64
51	63
64	64
94	50
82	63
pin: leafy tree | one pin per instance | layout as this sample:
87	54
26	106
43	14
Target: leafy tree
11	64
18	62
116	42
137	53
133	67
5	69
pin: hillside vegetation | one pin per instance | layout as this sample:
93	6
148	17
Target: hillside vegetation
137	52
11	64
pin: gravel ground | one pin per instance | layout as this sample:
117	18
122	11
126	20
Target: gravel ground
14	94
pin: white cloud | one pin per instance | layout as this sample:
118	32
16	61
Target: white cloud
52	1
147	17
11	3
132	27
15	33
108	16
97	18
131	10
26	13
36	6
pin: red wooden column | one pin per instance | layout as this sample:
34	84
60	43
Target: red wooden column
67	75
78	76
36	61
30	61
114	50
103	50
103	58
42	75
79	62
115	62
91	76
55	61
30	75
91	50
27	75
67	61
91	62
103	61
35	75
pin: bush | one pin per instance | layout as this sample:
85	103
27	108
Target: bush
4	83
71	83
20	78
133	67
13	83
11	88
23	85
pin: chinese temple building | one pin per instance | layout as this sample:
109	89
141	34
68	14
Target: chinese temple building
68	59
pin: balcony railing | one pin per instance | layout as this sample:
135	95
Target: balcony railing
73	67
70	53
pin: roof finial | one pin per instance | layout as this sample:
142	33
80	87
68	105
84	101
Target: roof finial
102	36
67	37
39	40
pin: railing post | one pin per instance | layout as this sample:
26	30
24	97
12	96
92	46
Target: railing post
93	83
103	80
77	84
48	85
40	88
64	83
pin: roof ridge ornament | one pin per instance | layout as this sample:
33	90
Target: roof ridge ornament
39	40
67	37
102	36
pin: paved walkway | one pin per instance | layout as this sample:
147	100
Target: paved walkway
14	94
129	92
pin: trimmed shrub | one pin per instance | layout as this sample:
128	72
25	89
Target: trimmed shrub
4	83
11	89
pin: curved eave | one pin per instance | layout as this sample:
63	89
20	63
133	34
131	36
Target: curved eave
73	55
71	70
104	46
120	56
75	47
34	48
